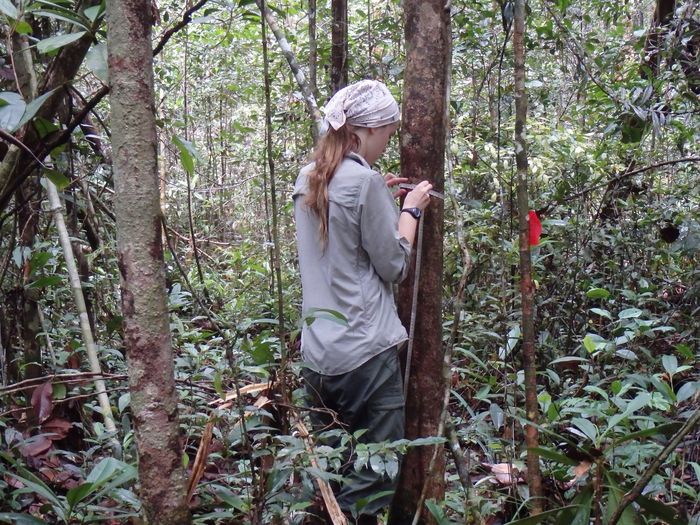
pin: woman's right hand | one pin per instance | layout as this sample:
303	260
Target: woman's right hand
418	197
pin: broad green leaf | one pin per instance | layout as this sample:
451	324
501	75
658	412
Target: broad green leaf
59	391
39	260
33	108
8	9
58	179
554	456
593	342
615	493
46	281
497	416
569	359
12	107
670	363
96	61
104	470
580	513
630	313
21	254
687	391
638	402
79	493
123	402
92	13
586	428
597	293
666	429
108	474
188	153
56	42
64	15
232	500
34	484
15	518
511	341
437	512
23	28
601	312
625	353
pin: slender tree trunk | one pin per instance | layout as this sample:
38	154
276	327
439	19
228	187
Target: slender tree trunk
140	258
339	45
313	50
81	307
427	33
273	210
527	289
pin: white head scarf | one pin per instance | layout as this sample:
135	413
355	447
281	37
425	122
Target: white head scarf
367	104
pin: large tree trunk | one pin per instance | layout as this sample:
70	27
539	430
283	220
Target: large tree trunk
427	34
140	258
339	45
527	289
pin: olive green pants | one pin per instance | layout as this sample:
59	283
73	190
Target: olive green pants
369	397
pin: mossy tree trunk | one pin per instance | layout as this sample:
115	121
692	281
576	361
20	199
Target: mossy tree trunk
427	33
140	259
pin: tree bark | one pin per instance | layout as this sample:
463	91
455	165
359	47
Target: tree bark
663	13
313	48
339	45
140	259
527	290
427	34
28	219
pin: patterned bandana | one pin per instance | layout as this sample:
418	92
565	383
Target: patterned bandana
366	104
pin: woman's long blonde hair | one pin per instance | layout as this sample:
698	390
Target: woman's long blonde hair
329	153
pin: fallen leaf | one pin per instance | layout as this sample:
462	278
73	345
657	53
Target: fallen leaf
42	401
36	446
56	427
579	471
505	473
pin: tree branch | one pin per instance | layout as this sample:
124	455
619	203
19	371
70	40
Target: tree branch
617	178
186	19
309	97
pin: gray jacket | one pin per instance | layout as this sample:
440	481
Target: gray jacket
354	274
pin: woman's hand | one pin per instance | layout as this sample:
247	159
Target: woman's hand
418	197
393	180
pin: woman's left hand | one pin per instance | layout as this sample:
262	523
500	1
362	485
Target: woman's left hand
393	180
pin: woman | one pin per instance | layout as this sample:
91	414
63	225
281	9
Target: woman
353	245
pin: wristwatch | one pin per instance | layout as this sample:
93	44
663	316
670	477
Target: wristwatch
413	212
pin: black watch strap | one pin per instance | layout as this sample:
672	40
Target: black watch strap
413	212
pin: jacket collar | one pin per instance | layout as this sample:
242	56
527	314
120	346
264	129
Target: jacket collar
358	158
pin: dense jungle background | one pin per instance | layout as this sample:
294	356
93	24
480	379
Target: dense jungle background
614	177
